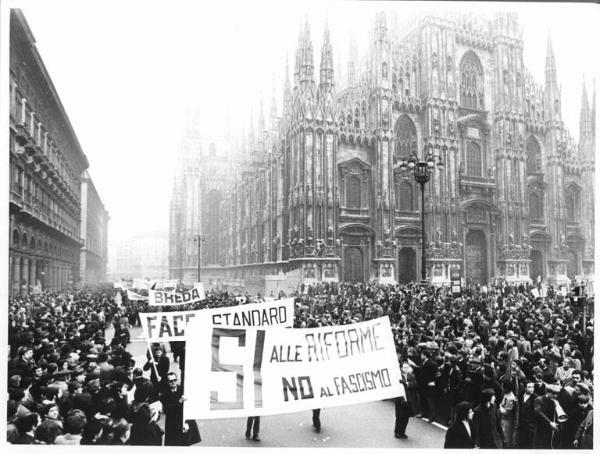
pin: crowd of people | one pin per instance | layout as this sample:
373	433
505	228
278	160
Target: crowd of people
501	368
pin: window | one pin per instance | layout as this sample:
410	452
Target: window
473	160
471	82
536	208
406	137
353	195
570	204
534	156
405	197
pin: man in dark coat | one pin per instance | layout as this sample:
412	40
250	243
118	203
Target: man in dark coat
172	402
544	408
486	422
460	433
526	417
158	364
406	405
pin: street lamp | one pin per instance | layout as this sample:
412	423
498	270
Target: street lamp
421	170
199	239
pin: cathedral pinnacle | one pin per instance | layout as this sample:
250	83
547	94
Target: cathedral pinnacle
550	63
305	59
326	59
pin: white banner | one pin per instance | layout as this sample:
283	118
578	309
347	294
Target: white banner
161	285
170	326
142	284
256	372
132	296
162	298
200	287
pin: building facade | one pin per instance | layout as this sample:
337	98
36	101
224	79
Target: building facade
46	163
94	234
142	256
319	195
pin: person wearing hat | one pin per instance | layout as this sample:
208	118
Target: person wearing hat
460	434
544	408
486	422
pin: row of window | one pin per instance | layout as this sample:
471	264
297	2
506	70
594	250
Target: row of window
34	194
22	113
24	243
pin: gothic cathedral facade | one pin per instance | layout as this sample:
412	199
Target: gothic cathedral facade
319	196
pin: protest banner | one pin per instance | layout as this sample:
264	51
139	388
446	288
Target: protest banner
162	285
132	296
257	372
162	298
142	284
171	326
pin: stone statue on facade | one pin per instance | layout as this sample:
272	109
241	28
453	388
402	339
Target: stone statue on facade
309	236
329	234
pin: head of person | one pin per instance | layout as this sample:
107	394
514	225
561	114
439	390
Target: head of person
576	376
121	430
91	432
26	353
51	411
529	387
172	380
27	423
75	422
488	396
464	411
406	368
47	432
583	400
143	391
508	387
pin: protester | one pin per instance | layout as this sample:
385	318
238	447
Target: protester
487	430
172	403
253	427
460	434
405	405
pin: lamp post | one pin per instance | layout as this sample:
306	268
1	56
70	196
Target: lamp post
421	170
199	239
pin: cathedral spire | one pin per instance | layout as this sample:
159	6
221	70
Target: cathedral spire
593	111
287	93
584	115
305	61
273	112
261	119
550	63
352	63
326	59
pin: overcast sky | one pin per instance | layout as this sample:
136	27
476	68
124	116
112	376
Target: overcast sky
126	71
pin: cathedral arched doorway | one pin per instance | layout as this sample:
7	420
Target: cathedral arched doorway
353	265
476	269
407	265
537	265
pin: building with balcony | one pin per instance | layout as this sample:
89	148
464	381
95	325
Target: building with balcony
46	163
